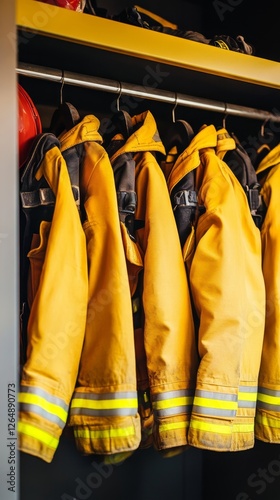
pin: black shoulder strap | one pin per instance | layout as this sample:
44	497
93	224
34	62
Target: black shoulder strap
241	165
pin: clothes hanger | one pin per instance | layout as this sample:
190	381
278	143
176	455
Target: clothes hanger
122	120
65	117
179	134
268	139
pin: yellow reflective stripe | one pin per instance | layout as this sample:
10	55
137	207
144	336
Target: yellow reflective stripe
268	421
104	403
247	396
173	426
243	428
42	436
272	400
106	433
169	403
33	399
219	428
215	403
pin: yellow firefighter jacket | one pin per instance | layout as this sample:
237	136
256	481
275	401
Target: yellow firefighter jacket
165	343
104	405
223	262
268	403
58	290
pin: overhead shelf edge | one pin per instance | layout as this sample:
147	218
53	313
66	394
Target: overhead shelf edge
34	17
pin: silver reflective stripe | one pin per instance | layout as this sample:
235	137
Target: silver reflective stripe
123	412
251	388
169	412
268	399
38	410
216	404
247	396
105	396
38	401
55	400
206	410
268	406
104	405
247	404
269	392
173	394
220	396
171	403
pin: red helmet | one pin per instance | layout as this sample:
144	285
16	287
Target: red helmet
68	4
29	124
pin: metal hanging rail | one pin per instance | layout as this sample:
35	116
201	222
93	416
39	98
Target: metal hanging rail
120	88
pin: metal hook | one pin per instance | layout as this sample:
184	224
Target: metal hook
119	96
263	127
61	88
225	116
174	107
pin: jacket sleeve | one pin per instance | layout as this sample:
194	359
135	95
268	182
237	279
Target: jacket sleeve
104	406
268	407
228	291
58	279
168	324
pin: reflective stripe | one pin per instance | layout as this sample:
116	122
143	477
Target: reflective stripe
215	404
38	401
213	412
216	428
269	392
216	395
172	403
269	399
123	412
44	394
248	388
220	428
243	428
268	421
105	433
173	426
34	432
247	396
101	405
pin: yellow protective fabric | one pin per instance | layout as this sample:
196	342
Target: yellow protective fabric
223	262
268	404
104	405
58	292
168	330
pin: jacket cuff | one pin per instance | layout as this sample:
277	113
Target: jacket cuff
37	439
171	433
267	426
172	411
221	435
107	435
42	417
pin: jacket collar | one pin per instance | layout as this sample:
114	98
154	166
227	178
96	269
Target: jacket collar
190	158
144	138
270	160
85	131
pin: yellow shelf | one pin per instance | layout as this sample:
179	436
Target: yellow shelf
43	19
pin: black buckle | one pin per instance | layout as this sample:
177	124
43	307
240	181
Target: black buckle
185	198
44	196
127	201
